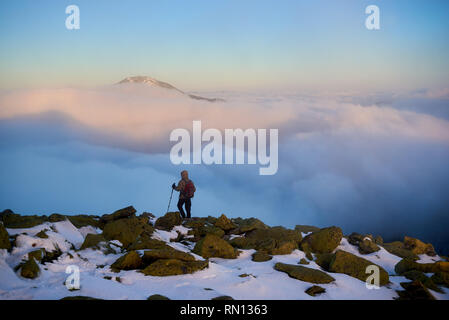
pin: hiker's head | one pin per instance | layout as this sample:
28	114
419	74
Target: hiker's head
184	175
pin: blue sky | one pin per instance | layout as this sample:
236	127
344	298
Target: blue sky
200	45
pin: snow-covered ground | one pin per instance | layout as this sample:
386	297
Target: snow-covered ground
222	277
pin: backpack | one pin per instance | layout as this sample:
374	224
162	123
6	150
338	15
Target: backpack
189	189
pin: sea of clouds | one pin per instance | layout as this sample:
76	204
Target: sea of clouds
374	163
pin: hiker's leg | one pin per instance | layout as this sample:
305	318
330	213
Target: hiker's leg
188	206
181	210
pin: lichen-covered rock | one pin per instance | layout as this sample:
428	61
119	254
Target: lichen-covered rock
350	264
315	290
157	297
418	247
306	229
127	231
4	238
303	273
425	280
414	290
83	220
355	238
92	240
367	246
15	221
398	249
407	264
260	256
441	278
146	242
224	223
172	267
129	261
325	240
119	214
324	260
303	261
249	224
30	269
213	246
200	230
42	234
168	221
38	254
150	256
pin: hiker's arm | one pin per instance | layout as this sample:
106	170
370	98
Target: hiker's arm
180	186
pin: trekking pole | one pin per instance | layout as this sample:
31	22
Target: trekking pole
169	201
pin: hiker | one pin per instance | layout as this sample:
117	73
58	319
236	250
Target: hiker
186	190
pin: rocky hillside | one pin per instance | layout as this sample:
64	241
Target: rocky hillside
127	256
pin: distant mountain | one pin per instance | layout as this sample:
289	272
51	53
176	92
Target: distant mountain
156	83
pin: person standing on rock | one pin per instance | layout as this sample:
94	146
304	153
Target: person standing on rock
186	190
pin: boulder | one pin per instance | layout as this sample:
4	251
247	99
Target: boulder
37	255
30	269
157	297
129	261
378	240
83	220
42	234
441	278
127	231
355	238
224	223
92	240
168	221
119	214
4	238
354	266
303	261
172	267
146	242
425	280
407	264
324	241
414	290
150	256
324	260
398	249
213	246
368	246
16	221
260	256
245	225
201	228
418	247
303	273
306	229
315	290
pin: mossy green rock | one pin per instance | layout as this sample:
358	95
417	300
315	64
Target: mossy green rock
425	280
157	297
324	260
414	290
56	217
202	230
150	256
129	261
416	246
275	240
306	228
146	242
367	246
83	220
92	241
303	273
168	221
407	264
30	269
213	246
303	261
324	241
16	221
38	254
315	290
119	214
224	223
245	225
260	256
127	231
42	234
398	249
441	278
172	267
354	266
4	238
